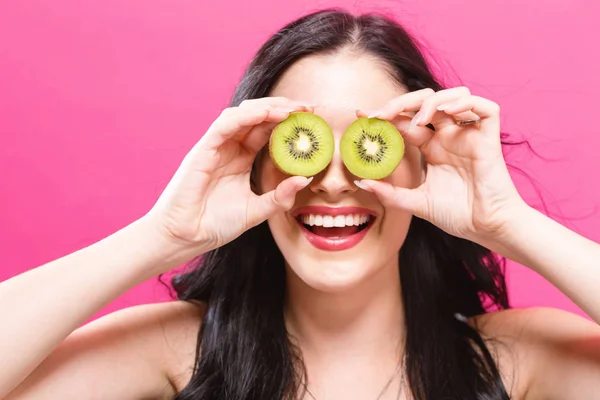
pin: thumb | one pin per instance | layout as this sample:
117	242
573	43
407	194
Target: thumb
282	198
411	200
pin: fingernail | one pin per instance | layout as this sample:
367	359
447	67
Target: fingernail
443	107
374	114
361	185
307	181
415	121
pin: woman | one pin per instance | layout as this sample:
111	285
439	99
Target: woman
401	313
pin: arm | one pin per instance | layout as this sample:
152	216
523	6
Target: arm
564	348
196	212
41	307
568	260
485	206
466	160
144	352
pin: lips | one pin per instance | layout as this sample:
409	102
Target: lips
334	229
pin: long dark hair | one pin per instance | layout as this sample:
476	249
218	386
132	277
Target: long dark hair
243	349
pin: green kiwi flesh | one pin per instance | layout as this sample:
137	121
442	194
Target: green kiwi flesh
371	148
302	144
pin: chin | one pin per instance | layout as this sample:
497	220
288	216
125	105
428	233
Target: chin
335	249
332	275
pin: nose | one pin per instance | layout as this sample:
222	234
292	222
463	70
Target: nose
335	180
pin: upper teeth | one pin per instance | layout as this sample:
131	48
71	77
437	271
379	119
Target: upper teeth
329	221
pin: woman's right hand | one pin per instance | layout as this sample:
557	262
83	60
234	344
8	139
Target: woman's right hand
209	201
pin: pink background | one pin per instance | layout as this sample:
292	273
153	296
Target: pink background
100	101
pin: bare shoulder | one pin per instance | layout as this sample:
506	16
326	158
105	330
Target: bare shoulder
536	323
144	351
182	324
528	343
168	330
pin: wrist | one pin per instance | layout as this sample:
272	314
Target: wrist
162	253
512	232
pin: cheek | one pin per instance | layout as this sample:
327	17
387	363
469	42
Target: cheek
394	228
281	228
395	224
410	173
268	175
285	234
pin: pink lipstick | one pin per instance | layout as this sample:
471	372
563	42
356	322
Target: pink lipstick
334	228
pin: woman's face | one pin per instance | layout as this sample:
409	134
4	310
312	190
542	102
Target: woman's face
336	258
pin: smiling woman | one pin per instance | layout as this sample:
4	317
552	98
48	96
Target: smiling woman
334	228
337	300
321	287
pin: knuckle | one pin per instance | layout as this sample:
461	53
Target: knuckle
394	104
429	96
228	112
274	101
491	105
430	101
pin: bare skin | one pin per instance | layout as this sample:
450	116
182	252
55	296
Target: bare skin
539	352
148	351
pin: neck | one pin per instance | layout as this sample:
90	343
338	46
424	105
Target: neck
365	321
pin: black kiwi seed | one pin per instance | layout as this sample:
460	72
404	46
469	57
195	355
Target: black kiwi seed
302	144
371	148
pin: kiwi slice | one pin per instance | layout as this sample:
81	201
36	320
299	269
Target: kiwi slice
371	148
302	144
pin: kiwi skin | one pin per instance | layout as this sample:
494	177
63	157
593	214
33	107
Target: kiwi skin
385	153
304	163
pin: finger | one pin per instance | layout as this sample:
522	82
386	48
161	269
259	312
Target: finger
236	123
366	114
484	108
476	108
279	108
411	200
279	102
465	116
429	113
407	102
282	198
258	137
417	136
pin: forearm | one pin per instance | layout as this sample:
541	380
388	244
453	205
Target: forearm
568	260
40	308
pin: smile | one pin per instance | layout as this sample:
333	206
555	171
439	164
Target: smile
334	229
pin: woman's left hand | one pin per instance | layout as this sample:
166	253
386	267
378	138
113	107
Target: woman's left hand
467	190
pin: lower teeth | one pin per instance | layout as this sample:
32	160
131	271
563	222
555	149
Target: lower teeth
360	227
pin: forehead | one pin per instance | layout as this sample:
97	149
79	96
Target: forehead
340	84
